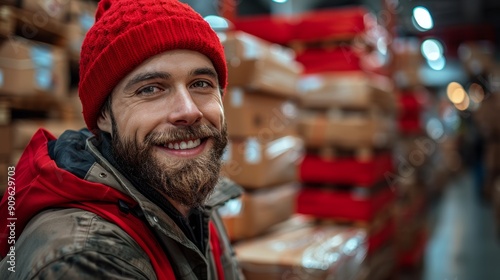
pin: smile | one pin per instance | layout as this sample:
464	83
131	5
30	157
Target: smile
183	145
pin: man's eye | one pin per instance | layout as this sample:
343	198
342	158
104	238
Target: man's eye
148	90
202	84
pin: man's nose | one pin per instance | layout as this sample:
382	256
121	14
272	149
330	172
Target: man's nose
184	110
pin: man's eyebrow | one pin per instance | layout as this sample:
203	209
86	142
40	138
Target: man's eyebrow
204	71
147	76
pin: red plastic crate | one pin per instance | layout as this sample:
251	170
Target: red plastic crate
314	169
275	29
309	26
342	204
331	23
343	58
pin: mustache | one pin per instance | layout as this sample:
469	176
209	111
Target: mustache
182	133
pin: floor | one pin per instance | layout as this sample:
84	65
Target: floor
464	244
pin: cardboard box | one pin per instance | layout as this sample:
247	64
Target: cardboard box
29	67
260	65
299	249
81	19
347	90
346	130
7	22
407	54
257	211
254	163
54	9
252	113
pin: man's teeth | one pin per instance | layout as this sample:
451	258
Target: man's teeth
184	145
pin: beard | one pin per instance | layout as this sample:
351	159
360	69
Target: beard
186	181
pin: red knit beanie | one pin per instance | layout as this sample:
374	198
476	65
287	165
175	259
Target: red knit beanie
126	33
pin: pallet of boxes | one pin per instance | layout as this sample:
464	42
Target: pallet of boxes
344	137
263	148
35	80
413	152
347	121
262	157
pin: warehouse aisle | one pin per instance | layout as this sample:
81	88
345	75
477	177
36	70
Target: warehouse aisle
463	244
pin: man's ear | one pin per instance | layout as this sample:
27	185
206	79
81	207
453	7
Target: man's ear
104	122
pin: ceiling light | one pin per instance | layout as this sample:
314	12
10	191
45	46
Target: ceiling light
437	64
432	49
422	18
217	22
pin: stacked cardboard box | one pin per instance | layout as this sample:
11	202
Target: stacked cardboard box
347	119
35	80
348	124
413	154
29	68
343	39
39	20
406	63
300	248
263	148
81	18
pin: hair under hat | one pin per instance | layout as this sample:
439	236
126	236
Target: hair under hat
126	33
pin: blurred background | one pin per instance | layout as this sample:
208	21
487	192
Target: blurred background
363	132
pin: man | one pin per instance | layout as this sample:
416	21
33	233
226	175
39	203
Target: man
133	196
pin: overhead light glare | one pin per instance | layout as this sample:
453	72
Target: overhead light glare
217	22
422	19
437	64
432	49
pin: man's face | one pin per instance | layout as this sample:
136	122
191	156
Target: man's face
168	127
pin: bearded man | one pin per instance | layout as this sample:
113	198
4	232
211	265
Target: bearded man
134	195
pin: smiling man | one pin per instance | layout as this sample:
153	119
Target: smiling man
135	195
